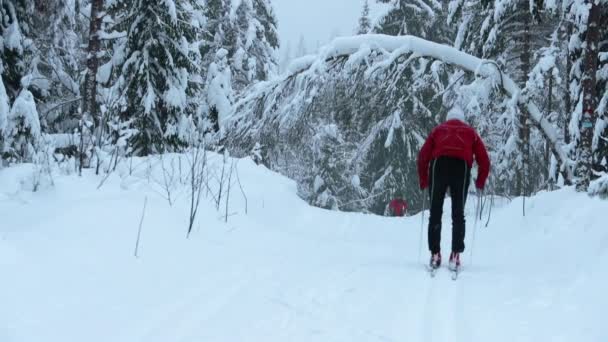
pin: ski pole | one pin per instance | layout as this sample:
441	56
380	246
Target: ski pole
475	226
421	226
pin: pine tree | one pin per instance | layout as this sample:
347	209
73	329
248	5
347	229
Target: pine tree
267	34
509	32
600	139
365	24
218	32
18	129
58	34
160	74
15	56
421	18
254	57
22	131
589	93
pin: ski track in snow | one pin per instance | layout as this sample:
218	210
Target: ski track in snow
287	271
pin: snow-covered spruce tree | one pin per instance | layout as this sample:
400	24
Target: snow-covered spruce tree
546	85
394	174
22	131
509	32
255	54
58	33
159	76
16	51
217	32
587	123
365	24
347	129
421	18
600	139
15	47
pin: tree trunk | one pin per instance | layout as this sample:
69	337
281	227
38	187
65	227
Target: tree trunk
90	106
568	99
524	124
550	177
584	170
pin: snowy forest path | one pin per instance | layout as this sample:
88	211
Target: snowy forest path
286	271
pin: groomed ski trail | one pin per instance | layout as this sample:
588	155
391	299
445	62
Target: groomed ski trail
287	271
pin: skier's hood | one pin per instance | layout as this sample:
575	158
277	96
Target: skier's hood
456	113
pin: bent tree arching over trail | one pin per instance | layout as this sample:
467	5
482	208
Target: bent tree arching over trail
347	124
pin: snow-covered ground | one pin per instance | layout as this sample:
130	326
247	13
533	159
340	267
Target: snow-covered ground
285	271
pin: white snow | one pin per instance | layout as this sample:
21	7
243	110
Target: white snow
599	186
219	89
396	124
176	96
318	183
285	271
105	72
300	64
171	10
12	37
397	46
23	115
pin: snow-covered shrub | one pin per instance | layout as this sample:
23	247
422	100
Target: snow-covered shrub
22	132
257	153
599	187
344	116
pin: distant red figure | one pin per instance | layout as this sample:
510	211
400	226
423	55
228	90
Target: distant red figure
398	207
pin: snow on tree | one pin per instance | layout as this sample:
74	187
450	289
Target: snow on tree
585	40
365	24
370	88
510	32
90	106
218	33
255	54
220	94
590	28
58	32
421	18
22	131
15	47
159	76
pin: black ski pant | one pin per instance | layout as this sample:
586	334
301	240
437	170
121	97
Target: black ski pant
455	174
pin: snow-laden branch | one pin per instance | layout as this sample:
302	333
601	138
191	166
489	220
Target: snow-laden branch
398	46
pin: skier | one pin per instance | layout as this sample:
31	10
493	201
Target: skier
398	207
448	155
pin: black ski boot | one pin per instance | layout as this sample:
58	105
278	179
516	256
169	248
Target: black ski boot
435	262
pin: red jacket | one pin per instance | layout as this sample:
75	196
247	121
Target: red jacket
455	139
398	207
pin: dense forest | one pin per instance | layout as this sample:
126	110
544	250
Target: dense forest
87	81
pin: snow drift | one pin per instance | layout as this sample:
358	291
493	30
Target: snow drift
284	271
